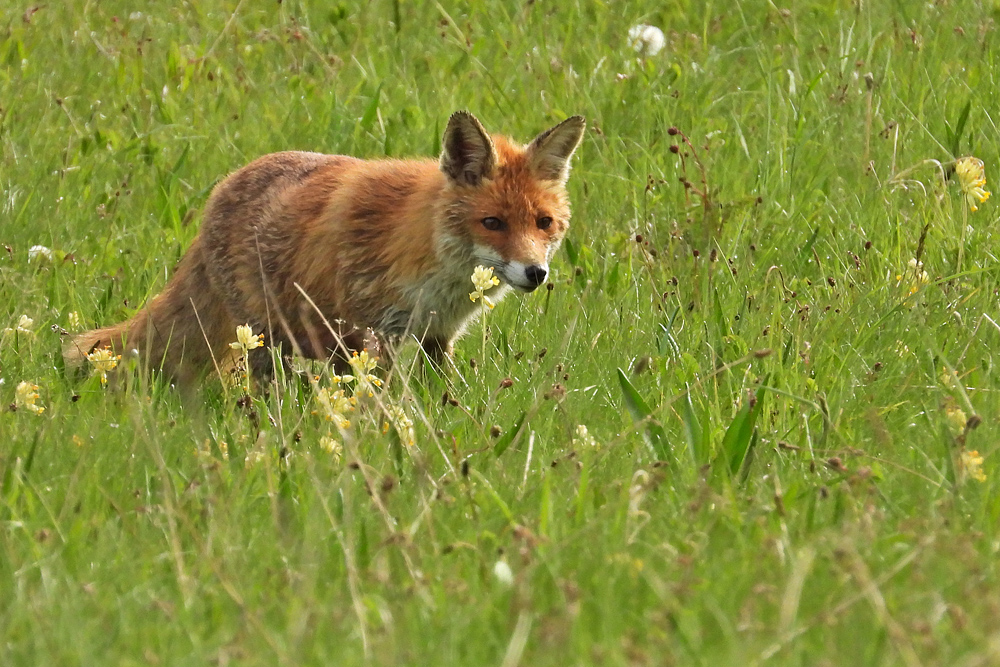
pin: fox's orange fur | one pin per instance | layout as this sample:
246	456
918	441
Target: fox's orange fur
383	248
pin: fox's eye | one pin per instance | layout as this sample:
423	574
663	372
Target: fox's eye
493	224
544	223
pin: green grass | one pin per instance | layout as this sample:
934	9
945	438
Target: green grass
850	534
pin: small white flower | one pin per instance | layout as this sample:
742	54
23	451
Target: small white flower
37	252
647	40
583	439
503	573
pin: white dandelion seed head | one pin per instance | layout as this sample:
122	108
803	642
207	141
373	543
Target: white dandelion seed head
38	253
646	40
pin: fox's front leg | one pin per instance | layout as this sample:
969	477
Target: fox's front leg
440	350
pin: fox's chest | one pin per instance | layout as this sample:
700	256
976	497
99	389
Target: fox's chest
439	306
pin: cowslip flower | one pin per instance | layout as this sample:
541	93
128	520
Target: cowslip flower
972	179
24	325
972	465
246	340
647	40
913	279
956	419
483	280
396	417
331	447
25	397
334	406
103	361
949	379
363	364
253	457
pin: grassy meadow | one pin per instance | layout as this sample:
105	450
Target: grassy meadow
789	427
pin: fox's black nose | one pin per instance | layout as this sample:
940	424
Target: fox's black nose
535	274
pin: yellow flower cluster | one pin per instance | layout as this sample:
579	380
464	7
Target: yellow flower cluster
483	280
397	418
25	397
972	179
956	419
103	361
332	447
913	278
335	406
338	402
972	465
363	365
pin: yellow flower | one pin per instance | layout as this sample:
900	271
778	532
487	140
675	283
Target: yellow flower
404	425
971	179
103	360
583	439
483	279
949	379
252	458
334	405
972	465
332	447
363	364
25	396
913	278
956	419
75	323
245	340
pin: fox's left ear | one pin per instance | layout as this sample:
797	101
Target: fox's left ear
551	150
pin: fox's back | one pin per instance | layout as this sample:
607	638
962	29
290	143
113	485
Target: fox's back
345	230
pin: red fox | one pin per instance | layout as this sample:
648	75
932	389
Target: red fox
384	249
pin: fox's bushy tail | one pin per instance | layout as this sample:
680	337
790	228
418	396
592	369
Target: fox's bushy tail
179	331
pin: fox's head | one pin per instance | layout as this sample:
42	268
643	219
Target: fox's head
507	202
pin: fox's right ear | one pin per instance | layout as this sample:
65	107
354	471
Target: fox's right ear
467	152
551	150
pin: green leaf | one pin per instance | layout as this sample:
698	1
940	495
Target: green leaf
571	252
807	248
507	438
955	138
697	437
654	434
737	441
368	120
